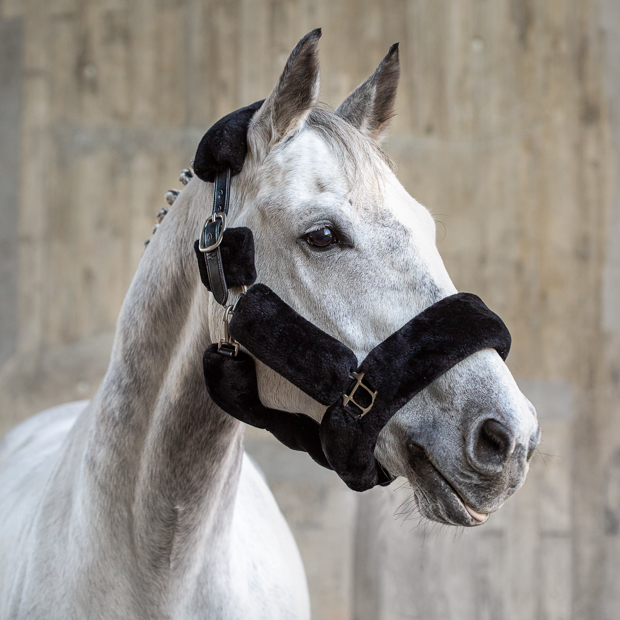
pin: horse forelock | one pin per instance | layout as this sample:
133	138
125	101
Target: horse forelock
362	161
344	139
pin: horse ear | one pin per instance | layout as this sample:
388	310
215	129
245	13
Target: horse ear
370	107
292	98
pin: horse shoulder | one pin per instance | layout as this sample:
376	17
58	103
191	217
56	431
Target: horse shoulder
266	566
27	457
265	579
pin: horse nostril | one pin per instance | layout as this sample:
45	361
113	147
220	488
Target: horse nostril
492	444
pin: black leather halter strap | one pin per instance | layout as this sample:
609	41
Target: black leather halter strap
212	235
360	400
219	157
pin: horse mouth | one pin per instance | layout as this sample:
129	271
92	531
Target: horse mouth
436	497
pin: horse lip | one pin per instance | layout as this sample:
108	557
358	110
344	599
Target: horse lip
478	517
481	517
475	518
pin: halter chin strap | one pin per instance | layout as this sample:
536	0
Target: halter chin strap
360	400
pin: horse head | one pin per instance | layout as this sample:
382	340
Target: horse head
340	240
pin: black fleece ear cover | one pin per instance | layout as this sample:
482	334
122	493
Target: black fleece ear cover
225	145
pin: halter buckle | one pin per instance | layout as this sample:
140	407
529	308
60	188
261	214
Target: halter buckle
348	398
220	215
229	349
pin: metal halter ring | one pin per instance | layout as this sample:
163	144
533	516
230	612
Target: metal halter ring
227	346
348	398
244	290
220	215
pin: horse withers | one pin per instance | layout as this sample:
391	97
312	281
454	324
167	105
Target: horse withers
141	502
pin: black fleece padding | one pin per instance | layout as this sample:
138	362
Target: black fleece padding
237	250
292	346
231	383
399	368
225	145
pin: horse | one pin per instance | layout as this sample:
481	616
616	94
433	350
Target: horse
141	503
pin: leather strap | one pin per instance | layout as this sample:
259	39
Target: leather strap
237	250
211	238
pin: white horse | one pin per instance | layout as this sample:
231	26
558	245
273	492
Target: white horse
141	503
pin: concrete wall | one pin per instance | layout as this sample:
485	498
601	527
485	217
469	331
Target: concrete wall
508	128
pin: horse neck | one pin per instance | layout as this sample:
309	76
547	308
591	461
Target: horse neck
160	449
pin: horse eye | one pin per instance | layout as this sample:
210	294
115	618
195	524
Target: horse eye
322	238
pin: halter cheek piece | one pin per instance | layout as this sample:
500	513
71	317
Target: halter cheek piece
360	400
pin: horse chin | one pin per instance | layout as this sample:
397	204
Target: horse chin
436	498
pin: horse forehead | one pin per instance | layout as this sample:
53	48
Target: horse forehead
308	164
306	156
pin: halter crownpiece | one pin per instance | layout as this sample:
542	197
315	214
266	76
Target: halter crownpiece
360	399
220	156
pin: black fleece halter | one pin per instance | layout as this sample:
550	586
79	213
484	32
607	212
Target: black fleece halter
360	400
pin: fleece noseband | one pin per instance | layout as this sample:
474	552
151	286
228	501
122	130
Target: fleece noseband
360	399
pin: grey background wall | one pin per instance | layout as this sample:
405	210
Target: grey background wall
508	129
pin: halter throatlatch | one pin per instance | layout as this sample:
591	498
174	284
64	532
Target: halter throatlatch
360	400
